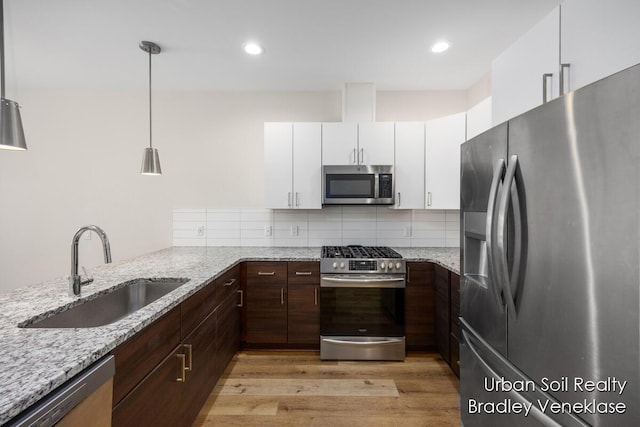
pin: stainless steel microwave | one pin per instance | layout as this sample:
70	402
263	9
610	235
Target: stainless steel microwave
357	185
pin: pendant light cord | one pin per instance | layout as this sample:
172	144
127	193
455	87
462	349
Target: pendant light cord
150	127
2	49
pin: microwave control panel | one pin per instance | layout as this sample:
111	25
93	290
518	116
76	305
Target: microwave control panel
385	183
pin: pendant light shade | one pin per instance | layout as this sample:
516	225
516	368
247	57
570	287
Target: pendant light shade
11	133
150	157
150	162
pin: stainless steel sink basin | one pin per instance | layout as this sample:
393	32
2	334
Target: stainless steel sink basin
111	306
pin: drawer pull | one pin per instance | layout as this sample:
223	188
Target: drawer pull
241	292
266	273
189	348
315	296
230	282
281	296
183	368
303	273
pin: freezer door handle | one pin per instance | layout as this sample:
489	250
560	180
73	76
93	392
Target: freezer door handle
540	416
493	195
502	268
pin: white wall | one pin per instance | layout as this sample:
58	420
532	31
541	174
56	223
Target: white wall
84	156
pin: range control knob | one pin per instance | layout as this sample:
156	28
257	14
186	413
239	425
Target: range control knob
335	265
390	267
398	265
382	265
342	265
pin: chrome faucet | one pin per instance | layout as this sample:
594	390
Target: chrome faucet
75	281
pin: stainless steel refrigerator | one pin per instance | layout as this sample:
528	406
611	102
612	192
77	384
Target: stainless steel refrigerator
550	220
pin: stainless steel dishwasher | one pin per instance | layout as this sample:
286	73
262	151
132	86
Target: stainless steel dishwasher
87	396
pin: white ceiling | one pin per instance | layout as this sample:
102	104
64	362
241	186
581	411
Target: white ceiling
310	44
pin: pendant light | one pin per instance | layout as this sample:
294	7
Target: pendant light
11	133
150	158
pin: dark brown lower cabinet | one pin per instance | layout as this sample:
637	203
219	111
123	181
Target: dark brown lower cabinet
419	307
442	309
303	317
156	400
455	338
266	302
162	382
228	333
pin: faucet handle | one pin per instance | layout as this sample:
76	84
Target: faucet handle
87	280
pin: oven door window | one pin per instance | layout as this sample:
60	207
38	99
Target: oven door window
350	186
376	312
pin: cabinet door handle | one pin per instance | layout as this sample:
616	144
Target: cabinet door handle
189	349
289	199
297	199
429	199
315	296
353	153
545	87
303	273
399	199
182	367
241	292
230	282
266	273
564	73
281	296
361	156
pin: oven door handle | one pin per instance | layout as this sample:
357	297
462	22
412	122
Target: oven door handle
378	282
381	342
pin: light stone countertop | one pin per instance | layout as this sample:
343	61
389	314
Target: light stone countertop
33	362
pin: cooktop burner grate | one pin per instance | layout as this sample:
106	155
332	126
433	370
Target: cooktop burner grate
361	252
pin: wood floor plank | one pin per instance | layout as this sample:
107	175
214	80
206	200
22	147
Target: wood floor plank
266	388
309	387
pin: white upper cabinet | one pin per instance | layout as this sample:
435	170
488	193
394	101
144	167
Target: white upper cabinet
292	169
599	38
409	166
339	144
376	143
357	144
520	75
442	161
278	165
307	169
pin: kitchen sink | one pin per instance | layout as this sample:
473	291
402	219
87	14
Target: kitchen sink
123	300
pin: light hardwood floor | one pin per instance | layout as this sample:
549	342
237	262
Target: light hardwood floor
298	389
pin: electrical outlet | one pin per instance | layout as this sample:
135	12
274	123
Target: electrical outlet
201	231
267	231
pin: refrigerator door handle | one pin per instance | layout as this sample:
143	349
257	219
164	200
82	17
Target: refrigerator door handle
493	196
502	267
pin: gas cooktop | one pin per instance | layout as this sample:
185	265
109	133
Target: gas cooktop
361	259
360	252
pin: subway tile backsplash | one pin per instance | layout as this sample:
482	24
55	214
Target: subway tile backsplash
335	225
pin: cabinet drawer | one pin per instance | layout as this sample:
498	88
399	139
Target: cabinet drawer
196	308
304	272
227	284
140	354
266	273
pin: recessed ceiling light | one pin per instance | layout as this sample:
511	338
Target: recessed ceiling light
253	48
440	46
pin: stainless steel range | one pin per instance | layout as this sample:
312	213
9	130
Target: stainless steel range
362	303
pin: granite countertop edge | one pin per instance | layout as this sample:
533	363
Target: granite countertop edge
36	361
